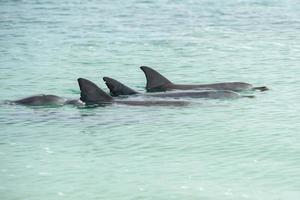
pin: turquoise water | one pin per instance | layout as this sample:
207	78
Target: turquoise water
211	149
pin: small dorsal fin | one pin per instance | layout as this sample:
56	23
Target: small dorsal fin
154	79
116	88
91	93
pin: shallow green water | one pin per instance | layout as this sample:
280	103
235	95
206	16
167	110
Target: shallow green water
237	149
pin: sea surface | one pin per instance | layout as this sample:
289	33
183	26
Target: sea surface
211	149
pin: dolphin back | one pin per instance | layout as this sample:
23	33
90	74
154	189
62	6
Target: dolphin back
90	93
117	88
154	79
41	100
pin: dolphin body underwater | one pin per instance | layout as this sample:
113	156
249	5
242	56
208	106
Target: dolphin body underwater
118	89
91	94
157	82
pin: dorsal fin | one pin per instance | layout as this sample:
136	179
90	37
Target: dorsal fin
154	79
116	88
91	93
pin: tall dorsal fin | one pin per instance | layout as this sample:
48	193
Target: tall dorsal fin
154	79
91	93
116	88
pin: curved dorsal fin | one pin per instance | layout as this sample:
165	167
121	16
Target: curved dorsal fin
116	88
90	93
154	79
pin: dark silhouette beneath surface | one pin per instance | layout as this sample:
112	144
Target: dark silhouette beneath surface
91	94
157	82
118	89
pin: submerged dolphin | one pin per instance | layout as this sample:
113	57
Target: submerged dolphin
116	89
91	94
46	99
157	82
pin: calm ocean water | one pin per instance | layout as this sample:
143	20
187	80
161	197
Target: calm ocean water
211	149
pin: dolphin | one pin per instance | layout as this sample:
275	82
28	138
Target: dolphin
157	82
117	89
46	100
91	94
